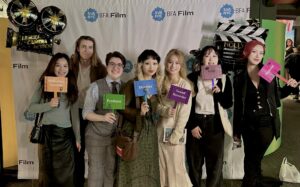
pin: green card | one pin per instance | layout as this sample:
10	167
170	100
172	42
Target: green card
114	101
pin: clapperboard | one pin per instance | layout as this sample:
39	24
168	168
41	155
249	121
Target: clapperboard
230	39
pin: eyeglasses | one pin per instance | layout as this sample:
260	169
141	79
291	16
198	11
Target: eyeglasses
115	65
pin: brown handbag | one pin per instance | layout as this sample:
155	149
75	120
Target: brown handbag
126	146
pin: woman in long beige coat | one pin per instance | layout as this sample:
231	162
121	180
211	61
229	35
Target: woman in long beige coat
173	172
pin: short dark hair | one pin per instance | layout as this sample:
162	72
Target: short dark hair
148	53
208	49
115	54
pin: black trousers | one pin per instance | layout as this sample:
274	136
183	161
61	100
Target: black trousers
56	157
257	136
208	149
79	156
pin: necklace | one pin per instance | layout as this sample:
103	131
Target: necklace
207	85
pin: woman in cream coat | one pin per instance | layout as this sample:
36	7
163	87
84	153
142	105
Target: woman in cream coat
173	172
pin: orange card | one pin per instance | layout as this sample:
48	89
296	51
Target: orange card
56	84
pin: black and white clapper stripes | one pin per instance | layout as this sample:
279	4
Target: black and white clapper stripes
230	39
240	33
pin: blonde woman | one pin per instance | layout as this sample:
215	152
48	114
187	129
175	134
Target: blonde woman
141	116
172	168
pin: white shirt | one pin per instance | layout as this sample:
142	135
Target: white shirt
204	97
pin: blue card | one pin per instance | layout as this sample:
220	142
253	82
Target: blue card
145	87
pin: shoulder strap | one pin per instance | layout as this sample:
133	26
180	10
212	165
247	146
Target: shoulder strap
223	82
38	119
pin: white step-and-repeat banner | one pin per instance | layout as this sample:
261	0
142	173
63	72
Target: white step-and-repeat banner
129	27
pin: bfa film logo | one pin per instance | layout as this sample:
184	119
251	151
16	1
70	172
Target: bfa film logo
91	15
227	11
128	67
190	63
158	14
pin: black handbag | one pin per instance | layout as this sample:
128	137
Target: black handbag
37	133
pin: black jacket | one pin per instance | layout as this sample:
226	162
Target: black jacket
293	65
274	94
224	98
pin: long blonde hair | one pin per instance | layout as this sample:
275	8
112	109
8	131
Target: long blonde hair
165	82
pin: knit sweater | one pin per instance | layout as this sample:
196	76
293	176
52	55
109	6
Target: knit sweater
63	116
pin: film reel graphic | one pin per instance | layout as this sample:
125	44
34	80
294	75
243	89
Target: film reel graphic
52	20
36	29
22	13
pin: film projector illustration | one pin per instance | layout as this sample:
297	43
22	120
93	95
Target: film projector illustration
36	29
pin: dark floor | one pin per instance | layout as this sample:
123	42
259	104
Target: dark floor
271	164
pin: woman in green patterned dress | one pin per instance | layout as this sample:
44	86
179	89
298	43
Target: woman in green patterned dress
141	116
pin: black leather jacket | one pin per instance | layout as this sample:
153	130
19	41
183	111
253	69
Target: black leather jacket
274	94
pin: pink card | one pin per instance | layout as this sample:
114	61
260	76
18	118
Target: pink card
209	72
270	70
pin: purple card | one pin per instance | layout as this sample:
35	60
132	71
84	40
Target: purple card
209	72
269	70
178	94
